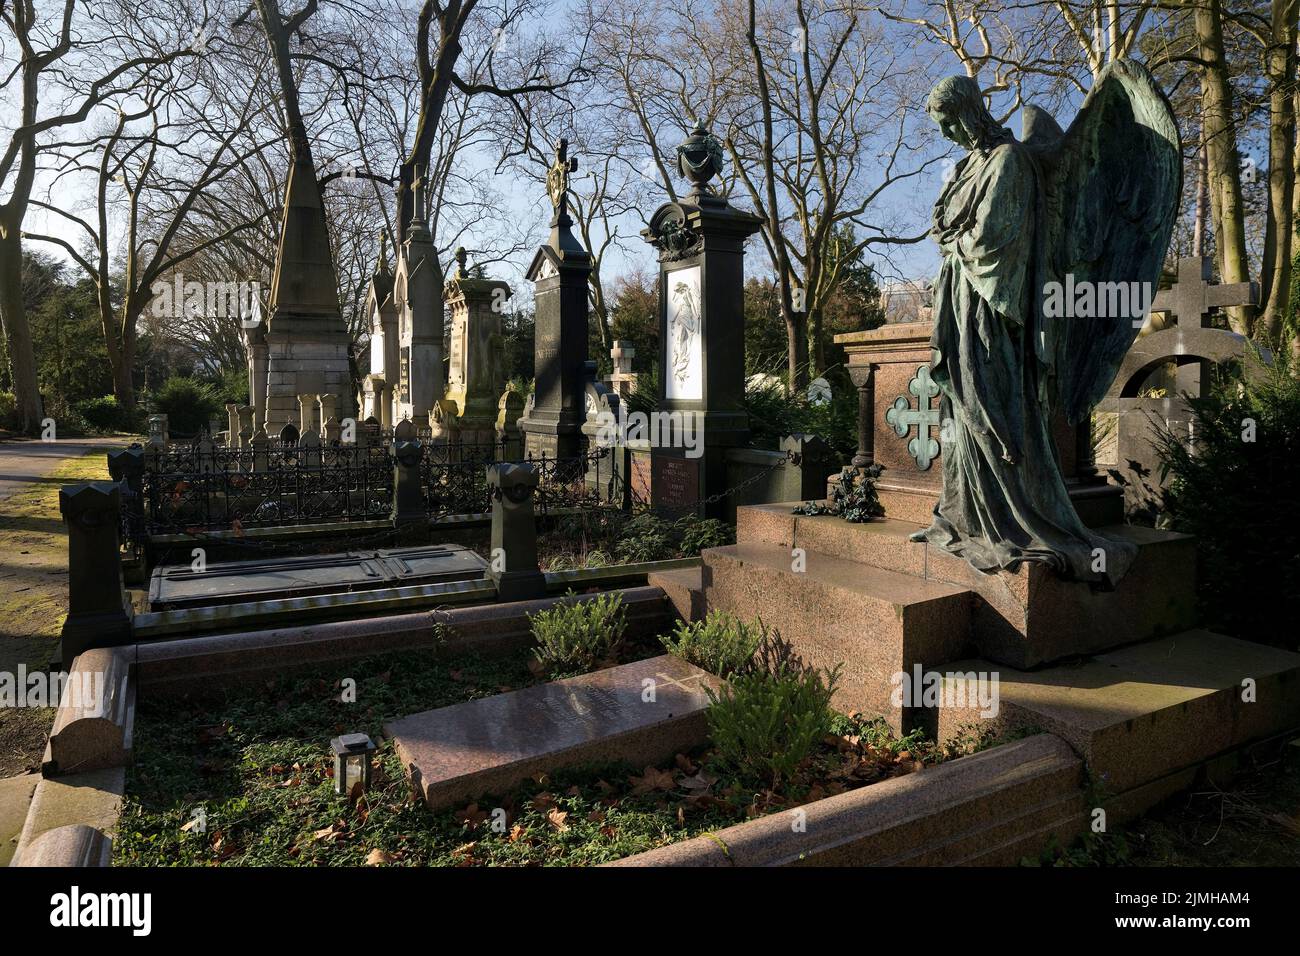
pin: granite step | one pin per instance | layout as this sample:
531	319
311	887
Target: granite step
684	589
1023	618
1141	713
875	622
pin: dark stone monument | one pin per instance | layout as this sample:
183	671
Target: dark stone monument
409	518
99	612
701	243
513	564
560	272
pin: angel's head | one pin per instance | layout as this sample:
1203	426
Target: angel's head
957	105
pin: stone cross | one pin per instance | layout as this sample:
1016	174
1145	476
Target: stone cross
1192	295
1190	299
902	416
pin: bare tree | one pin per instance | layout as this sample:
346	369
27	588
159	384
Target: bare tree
76	59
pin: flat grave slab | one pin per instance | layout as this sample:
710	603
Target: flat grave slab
239	582
459	753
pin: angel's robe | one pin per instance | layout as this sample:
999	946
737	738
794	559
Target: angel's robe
1004	500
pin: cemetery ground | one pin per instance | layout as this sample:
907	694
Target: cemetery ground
243	780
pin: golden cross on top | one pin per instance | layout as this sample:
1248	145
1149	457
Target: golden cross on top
557	179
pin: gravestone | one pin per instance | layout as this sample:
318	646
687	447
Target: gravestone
417	292
238	582
1189	341
306	338
701	245
385	341
641	713
474	378
510	408
158	429
623	380
559	271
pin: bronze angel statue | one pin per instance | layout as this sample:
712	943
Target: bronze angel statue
1095	203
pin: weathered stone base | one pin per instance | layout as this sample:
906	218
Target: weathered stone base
875	622
1145	711
309	362
1021	618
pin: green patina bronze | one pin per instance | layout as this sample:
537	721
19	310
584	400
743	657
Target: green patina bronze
1096	203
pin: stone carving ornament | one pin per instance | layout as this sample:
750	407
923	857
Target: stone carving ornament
1096	202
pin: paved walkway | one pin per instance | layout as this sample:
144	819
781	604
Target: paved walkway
27	461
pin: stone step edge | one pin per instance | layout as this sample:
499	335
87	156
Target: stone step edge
837	821
885	580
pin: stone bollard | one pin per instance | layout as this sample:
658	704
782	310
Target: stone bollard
409	518
510	439
99	611
232	424
513	566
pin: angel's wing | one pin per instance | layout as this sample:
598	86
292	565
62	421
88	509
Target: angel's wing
1112	186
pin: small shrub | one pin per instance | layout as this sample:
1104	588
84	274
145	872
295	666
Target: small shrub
105	414
1246	452
646	537
721	644
188	404
575	636
765	724
700	533
9	419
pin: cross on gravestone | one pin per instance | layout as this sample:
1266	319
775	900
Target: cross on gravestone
1190	299
902	416
1192	295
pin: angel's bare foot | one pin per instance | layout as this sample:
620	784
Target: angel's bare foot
922	535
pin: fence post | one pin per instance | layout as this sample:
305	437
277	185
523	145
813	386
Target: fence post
513	566
126	467
410	520
99	611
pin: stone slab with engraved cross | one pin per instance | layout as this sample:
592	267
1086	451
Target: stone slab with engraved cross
1191	298
642	713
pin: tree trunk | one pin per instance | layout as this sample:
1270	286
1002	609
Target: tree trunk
1279	233
1223	160
18	334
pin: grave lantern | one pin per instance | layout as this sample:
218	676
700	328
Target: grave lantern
351	762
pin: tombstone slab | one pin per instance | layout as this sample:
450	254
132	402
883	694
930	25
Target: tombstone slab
238	582
458	753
